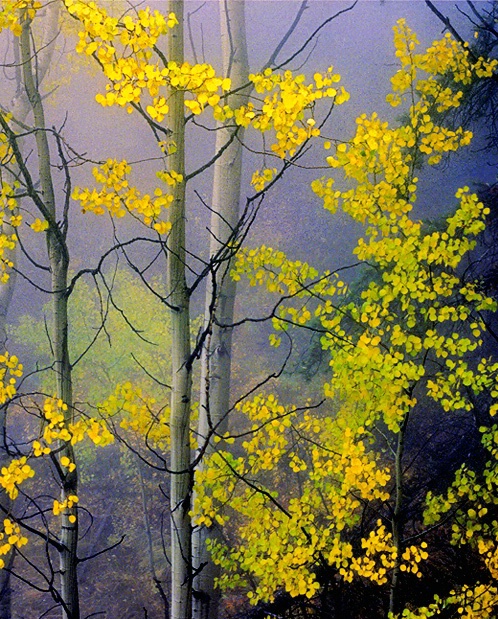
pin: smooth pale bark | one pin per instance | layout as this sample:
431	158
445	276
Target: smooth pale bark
220	293
59	263
47	22
181	384
397	518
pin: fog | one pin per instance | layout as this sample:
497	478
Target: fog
358	43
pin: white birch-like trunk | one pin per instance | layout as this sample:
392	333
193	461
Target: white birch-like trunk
220	297
59	263
181	383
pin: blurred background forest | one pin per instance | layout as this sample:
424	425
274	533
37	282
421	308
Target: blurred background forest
120	331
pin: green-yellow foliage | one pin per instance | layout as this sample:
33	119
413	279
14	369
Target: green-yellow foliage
119	333
132	411
121	379
409	337
473	499
55	431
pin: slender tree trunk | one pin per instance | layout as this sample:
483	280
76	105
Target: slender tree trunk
69	483
397	519
59	263
5	589
221	290
181	477
148	535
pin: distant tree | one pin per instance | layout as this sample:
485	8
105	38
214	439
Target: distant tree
214	397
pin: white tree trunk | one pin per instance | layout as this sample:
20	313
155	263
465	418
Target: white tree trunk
178	298
59	263
220	293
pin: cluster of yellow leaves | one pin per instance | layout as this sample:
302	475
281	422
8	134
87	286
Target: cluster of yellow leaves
10	537
412	557
56	428
381	159
137	413
260	178
124	49
374	564
200	80
117	197
265	266
39	225
279	545
10	369
444	57
287	102
268	441
9	212
66	507
13	12
59	428
8	215
298	284
406	318
470	602
12	476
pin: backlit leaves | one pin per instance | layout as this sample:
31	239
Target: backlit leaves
410	333
9	216
128	52
10	537
117	197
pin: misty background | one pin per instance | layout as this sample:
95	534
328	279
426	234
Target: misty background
358	43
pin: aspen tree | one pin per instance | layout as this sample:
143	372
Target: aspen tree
220	287
51	219
181	362
58	256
